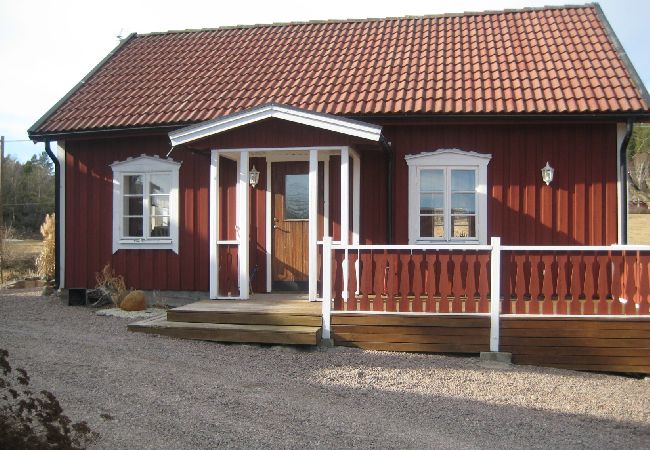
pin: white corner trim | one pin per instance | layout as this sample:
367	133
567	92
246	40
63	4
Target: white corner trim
214	224
621	130
448	159
301	116
62	162
144	164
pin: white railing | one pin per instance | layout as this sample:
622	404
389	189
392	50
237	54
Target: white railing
490	279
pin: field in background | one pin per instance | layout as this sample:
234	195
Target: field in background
20	258
639	229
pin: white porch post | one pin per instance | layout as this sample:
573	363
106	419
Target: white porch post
242	225
495	293
356	197
313	225
214	224
326	195
269	226
345	196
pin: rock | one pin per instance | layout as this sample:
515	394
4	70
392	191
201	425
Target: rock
134	301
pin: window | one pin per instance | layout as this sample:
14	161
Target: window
448	197
145	204
296	197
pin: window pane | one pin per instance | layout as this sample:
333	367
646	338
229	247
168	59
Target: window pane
431	203
296	197
432	180
133	206
463	226
159	226
159	205
463	203
133	184
463	180
133	227
159	184
432	226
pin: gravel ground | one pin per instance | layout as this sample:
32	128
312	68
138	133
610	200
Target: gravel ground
169	393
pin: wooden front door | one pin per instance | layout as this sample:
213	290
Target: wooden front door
290	227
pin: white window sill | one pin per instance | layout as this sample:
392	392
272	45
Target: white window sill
146	244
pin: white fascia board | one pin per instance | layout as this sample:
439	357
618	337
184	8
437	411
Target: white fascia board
318	120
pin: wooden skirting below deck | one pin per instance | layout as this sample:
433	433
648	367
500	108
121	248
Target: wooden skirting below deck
618	344
412	333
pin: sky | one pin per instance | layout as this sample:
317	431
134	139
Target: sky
47	47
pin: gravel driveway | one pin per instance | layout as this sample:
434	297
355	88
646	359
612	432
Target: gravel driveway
168	393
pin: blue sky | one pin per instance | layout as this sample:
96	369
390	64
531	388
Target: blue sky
46	47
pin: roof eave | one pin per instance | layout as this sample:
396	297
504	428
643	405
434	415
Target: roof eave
32	131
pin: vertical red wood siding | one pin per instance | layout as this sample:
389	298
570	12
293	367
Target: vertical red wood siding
579	207
89	218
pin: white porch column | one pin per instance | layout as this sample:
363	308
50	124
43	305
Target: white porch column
345	195
269	226
242	225
356	197
313	224
214	224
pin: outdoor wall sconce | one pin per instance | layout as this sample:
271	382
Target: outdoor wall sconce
547	173
253	176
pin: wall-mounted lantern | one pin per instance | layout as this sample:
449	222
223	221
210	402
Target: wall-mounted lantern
253	176
547	173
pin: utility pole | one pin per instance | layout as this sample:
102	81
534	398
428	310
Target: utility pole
2	222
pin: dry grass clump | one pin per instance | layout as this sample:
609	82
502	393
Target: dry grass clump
45	262
111	285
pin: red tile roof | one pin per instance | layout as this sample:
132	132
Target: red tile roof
549	60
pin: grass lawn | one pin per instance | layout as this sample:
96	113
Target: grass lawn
20	258
639	229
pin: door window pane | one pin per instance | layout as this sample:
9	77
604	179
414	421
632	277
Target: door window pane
296	197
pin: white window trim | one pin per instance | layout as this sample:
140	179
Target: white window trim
143	165
448	159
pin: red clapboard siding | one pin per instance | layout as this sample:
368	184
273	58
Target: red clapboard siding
89	205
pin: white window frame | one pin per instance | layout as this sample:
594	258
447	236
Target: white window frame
448	160
146	166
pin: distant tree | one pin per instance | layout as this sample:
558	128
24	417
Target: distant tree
638	165
27	192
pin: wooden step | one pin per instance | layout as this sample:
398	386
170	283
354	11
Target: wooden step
249	313
227	332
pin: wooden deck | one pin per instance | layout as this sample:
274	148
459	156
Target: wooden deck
273	319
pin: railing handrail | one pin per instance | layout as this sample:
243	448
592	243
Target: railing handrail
485	248
576	248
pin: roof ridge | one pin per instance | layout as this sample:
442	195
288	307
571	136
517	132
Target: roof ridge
374	19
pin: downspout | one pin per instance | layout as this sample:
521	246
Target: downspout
622	167
390	162
57	207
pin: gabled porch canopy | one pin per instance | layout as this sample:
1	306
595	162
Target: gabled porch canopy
344	128
323	121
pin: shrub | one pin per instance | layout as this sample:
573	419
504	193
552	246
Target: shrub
45	262
35	421
111	285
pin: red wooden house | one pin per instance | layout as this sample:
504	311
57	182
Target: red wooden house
215	160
